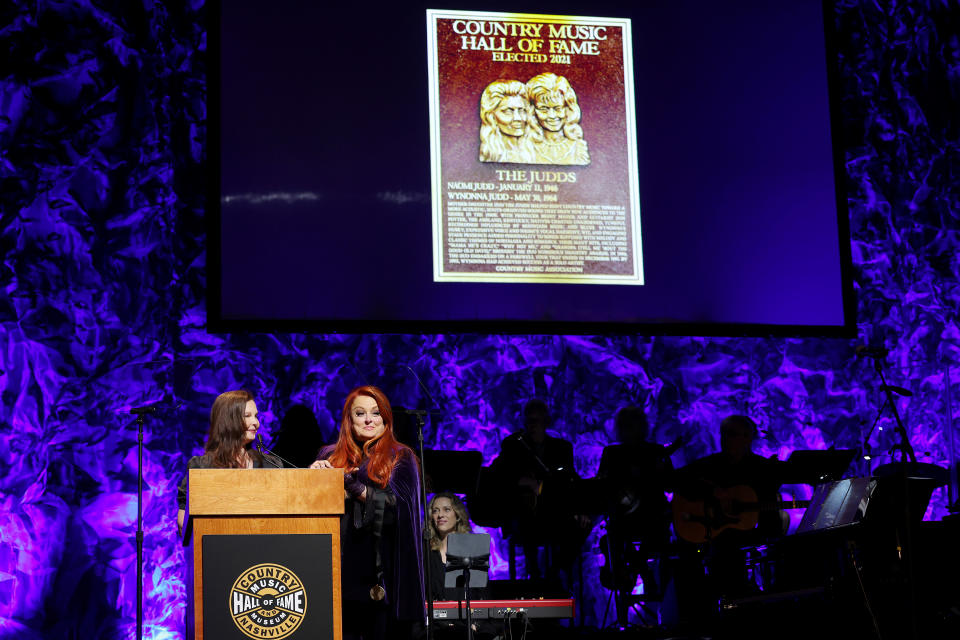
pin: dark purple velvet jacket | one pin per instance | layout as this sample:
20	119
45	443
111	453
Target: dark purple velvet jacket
401	547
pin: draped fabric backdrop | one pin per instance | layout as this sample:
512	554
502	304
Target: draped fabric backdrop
102	150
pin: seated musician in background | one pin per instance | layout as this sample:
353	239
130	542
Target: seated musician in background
447	514
737	466
635	471
707	510
528	460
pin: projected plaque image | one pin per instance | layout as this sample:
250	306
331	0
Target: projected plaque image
533	149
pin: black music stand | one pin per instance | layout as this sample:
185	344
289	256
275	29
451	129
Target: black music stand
837	504
468	558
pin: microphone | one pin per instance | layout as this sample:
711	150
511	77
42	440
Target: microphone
153	408
139	411
261	448
864	351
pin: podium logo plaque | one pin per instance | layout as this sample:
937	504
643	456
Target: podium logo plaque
259	586
268	601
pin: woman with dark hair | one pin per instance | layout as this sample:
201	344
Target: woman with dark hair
234	424
380	538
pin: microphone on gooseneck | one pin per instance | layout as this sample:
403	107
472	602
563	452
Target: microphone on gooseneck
262	448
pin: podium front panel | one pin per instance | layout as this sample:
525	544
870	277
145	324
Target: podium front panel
268	586
273	514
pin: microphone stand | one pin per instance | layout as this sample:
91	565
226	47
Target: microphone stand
418	415
140	412
466	597
907	453
866	449
905	448
468	563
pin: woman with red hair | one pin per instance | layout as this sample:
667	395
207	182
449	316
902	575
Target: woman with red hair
380	539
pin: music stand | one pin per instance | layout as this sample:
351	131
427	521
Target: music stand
837	504
468	558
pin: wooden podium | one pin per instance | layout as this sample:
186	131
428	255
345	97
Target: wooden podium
266	532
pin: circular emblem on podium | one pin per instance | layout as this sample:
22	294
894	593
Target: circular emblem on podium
268	601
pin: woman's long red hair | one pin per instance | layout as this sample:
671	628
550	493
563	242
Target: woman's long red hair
383	452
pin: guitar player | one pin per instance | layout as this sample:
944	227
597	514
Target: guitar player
716	566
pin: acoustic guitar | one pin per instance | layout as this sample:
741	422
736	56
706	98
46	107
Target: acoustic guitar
734	507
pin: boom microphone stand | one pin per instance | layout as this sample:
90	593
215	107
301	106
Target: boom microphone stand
419	415
905	526
140	412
